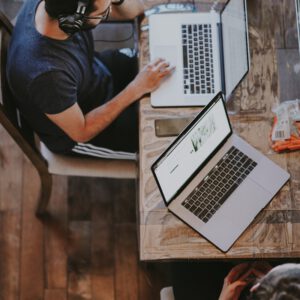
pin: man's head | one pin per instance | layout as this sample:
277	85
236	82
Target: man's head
75	15
55	8
281	283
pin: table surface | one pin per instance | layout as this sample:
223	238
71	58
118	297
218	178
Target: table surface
275	232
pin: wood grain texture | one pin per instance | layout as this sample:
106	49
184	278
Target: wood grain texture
56	236
79	199
288	69
10	249
55	295
11	164
290	24
102	240
126	285
32	238
273	233
79	261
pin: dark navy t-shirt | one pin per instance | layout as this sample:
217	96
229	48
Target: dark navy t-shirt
48	76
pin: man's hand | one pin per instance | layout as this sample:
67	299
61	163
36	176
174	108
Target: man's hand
240	276
82	128
151	76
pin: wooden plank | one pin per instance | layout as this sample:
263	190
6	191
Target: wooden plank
56	236
293	160
255	131
124	201
288	71
290	25
79	261
32	238
271	235
266	29
9	253
11	163
259	91
79	195
11	160
103	270
102	239
102	287
126	266
102	193
51	294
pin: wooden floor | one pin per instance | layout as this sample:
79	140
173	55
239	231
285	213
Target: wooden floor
87	249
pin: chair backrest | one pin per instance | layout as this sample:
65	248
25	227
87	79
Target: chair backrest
10	117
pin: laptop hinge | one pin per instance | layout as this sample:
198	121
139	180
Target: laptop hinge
220	35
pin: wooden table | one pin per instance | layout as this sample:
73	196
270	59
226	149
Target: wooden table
275	233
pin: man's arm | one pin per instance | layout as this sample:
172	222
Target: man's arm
82	128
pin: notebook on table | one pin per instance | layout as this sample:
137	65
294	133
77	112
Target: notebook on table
210	51
215	181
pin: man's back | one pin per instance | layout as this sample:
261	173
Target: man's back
48	76
75	99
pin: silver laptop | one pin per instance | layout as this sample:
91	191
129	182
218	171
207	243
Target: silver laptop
210	51
213	180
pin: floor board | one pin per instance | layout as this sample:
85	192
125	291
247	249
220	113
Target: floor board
87	247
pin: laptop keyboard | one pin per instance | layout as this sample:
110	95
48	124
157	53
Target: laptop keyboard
198	69
218	185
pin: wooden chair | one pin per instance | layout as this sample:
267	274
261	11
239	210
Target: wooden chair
45	161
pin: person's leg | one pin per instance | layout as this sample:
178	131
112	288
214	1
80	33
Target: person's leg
199	280
122	64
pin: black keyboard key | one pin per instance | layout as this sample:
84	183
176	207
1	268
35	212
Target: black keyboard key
185	59
198	211
206	201
228	193
213	191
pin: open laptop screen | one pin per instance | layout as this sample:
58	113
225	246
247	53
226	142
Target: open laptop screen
235	43
190	150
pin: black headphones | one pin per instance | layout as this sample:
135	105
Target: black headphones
71	24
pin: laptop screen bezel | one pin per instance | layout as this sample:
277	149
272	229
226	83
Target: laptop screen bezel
248	48
181	136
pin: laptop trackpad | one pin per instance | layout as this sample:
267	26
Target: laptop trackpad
169	53
236	214
166	90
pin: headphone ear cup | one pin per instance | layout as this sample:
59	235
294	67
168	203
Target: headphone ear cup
70	24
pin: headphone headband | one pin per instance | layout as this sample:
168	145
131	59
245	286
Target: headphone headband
81	7
71	24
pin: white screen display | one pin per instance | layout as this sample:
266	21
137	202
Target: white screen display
192	150
235	43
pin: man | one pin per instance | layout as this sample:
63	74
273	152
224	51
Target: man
76	100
